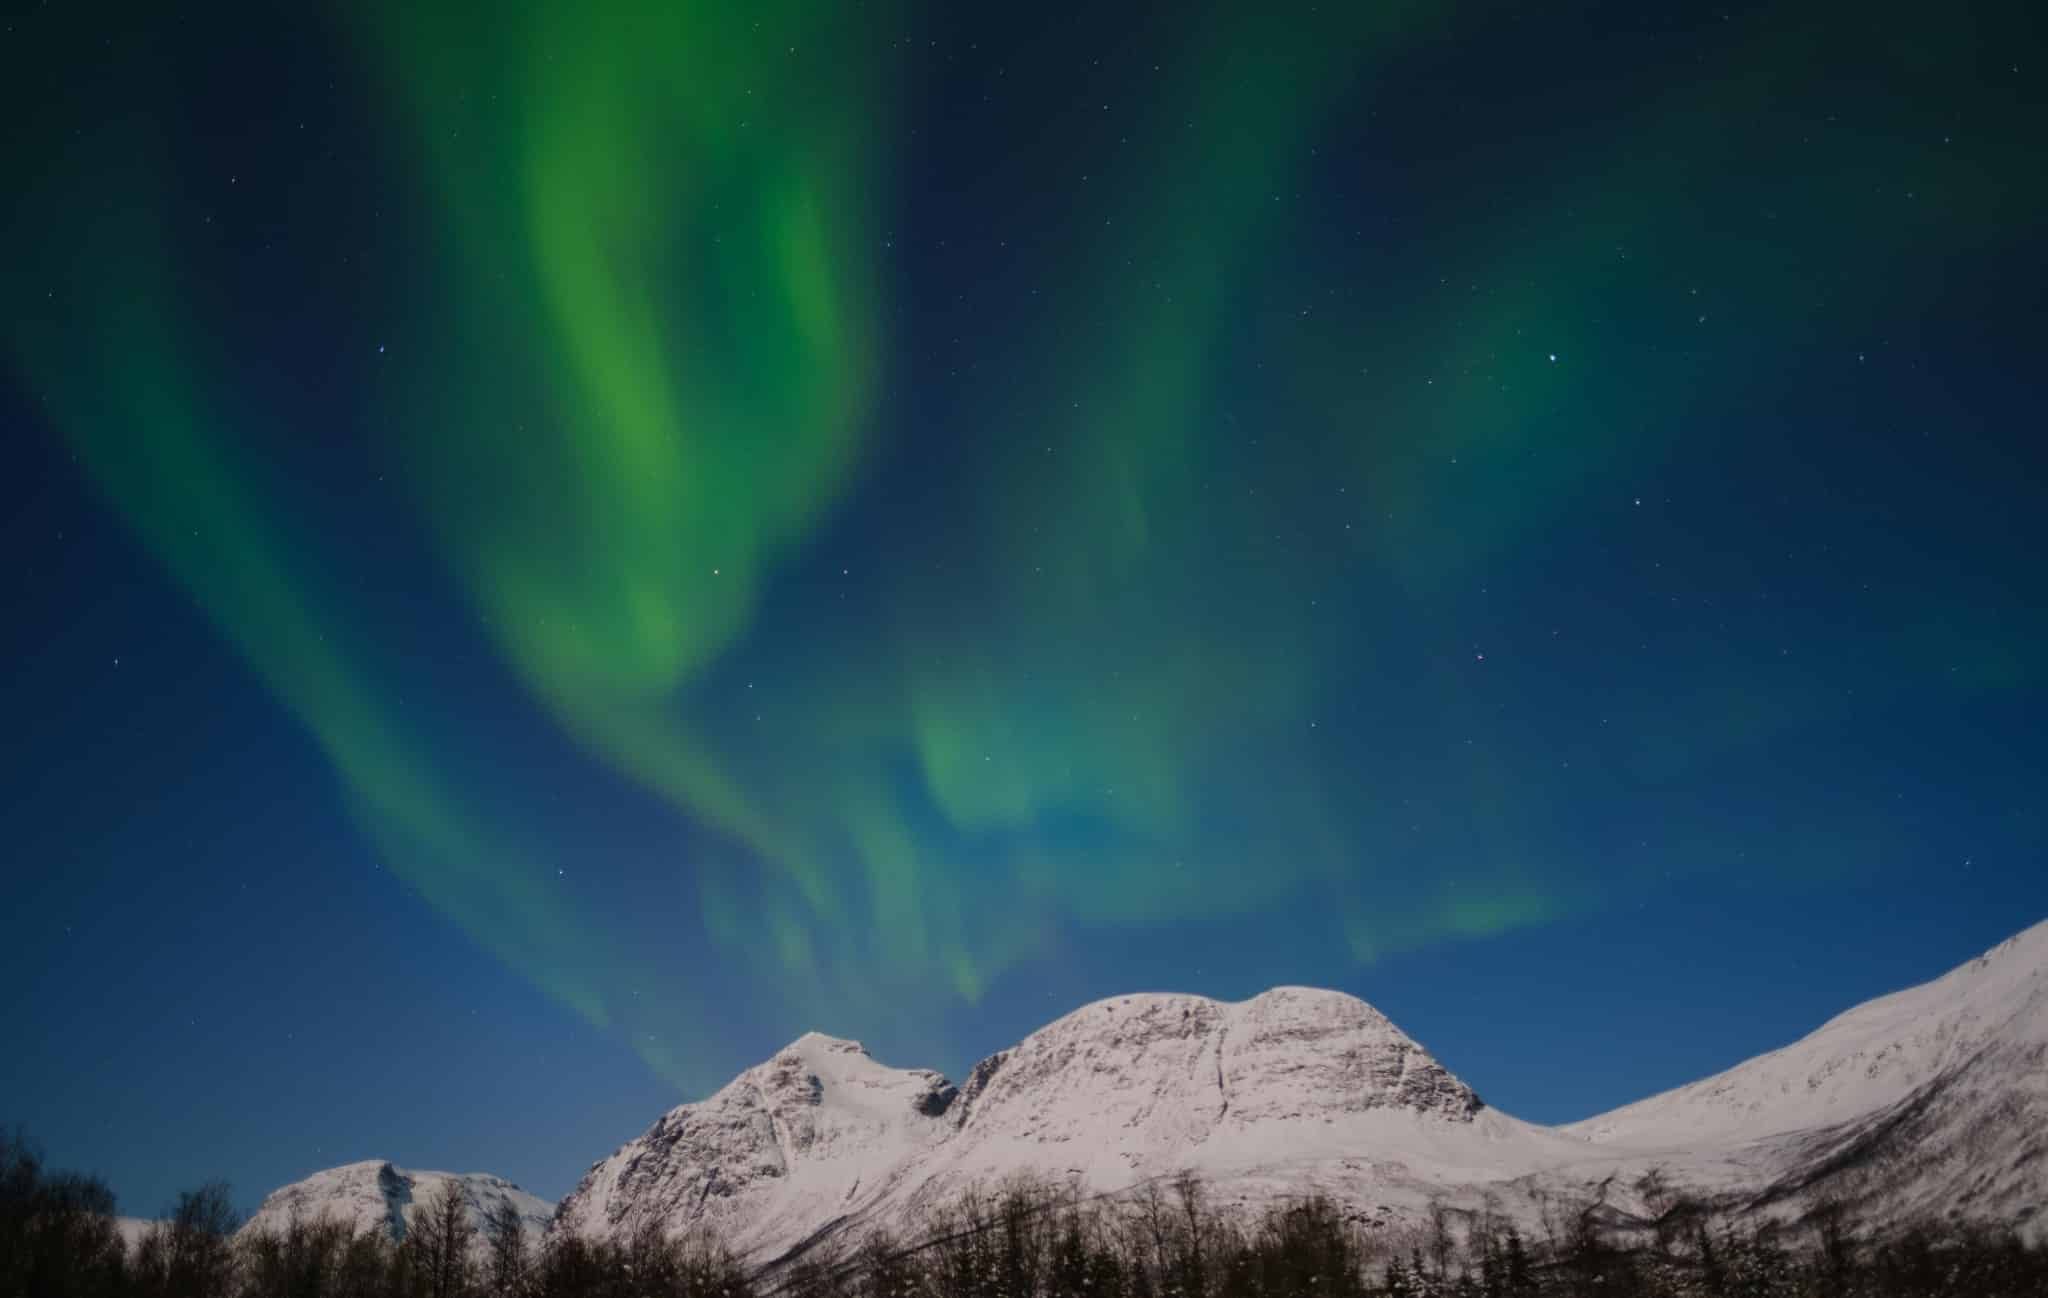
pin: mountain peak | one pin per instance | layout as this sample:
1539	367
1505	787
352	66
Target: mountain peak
1173	1066
811	1042
820	1122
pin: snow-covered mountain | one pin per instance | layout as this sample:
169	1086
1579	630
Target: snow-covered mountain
1933	1099
375	1196
1292	1089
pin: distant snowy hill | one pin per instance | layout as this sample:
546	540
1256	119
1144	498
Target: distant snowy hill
1930	1100
132	1229
375	1196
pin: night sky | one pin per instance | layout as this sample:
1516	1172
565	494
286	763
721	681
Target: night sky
552	548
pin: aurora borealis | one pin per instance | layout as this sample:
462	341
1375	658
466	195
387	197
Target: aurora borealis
885	518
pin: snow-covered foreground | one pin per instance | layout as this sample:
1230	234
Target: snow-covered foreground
1930	1102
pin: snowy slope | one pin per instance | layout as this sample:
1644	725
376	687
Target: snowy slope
1930	1100
376	1196
1933	1099
1858	1062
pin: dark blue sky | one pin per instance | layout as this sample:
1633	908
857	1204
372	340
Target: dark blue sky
533	586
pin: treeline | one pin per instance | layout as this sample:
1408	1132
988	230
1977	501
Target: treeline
58	1239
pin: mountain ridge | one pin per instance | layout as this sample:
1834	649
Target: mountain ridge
1302	1088
1926	1100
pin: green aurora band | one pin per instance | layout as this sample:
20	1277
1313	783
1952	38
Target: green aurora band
1087	687
677	270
